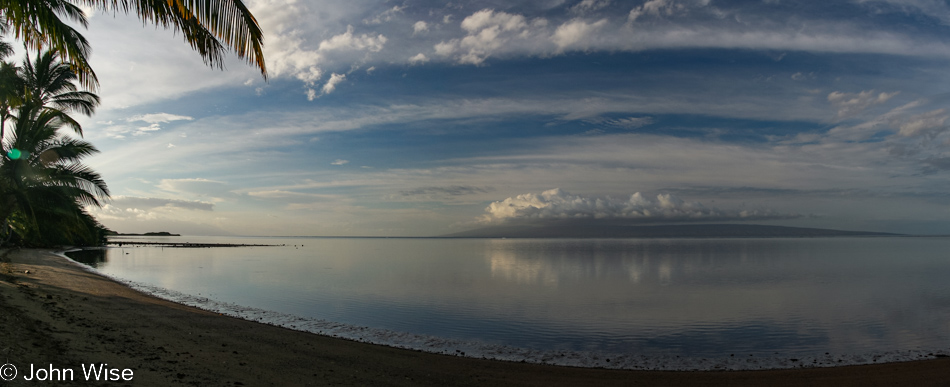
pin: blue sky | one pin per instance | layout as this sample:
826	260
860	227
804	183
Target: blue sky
415	118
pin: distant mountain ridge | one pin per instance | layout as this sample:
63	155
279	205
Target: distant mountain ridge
158	233
655	231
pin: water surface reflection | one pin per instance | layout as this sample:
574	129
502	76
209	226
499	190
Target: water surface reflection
678	297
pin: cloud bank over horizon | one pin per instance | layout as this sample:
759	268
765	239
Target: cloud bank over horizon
557	204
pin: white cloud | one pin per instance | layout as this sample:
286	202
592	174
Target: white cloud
307	43
142	129
420	27
418	59
631	122
488	18
340	162
385	16
154	120
927	124
157	118
576	33
862	131
113	212
491	33
310	75
487	31
800	76
928	8
446	48
147	203
656	8
626	123
143	214
851	104
558	204
347	41
589	5
287	28
335	79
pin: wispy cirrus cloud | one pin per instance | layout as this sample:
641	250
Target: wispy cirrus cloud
158	118
444	191
851	104
148	203
118	130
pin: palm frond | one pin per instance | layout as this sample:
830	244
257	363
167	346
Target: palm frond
81	177
64	120
6	49
69	150
82	102
37	23
207	25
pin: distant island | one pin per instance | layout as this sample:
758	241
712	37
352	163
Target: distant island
159	233
561	230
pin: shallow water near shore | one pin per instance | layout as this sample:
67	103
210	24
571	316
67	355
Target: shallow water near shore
620	303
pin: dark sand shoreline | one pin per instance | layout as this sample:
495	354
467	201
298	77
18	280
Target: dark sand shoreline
64	316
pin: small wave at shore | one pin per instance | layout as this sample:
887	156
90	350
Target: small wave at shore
476	349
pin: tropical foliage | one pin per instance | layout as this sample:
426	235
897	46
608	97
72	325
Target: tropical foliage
209	26
49	83
44	187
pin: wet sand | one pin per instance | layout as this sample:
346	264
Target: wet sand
59	315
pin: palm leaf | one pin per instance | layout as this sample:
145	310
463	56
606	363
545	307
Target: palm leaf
206	25
37	23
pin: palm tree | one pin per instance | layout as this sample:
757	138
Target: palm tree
43	185
207	25
11	93
48	82
11	87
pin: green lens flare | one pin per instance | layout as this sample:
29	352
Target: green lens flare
14	154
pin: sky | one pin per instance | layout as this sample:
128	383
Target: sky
420	118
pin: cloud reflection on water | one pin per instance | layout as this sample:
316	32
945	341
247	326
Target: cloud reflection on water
681	296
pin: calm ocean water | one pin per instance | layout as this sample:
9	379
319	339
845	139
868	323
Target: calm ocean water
648	303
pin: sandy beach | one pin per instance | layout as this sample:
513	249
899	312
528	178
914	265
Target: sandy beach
57	316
